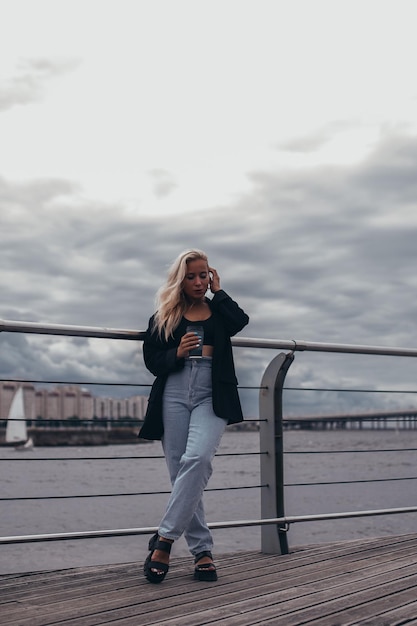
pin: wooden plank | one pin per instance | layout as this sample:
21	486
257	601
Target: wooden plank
182	605
311	583
363	604
286	605
84	590
376	612
66	578
406	614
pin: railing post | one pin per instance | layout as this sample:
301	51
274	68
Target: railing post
273	538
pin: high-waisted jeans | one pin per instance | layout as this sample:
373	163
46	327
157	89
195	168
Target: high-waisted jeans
192	433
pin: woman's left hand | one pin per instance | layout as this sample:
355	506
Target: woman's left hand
214	280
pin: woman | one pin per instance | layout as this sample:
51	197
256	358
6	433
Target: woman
191	401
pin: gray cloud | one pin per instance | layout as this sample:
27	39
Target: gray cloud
31	78
163	182
315	140
326	254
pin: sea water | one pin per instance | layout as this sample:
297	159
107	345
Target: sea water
311	457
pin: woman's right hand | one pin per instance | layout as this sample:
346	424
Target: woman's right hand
188	342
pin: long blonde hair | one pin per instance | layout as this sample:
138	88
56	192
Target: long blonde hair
170	300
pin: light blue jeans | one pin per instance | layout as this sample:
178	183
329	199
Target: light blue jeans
192	433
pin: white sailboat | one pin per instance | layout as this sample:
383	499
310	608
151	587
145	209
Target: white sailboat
16	429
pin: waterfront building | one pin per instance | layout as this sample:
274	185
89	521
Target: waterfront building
7	391
133	407
70	402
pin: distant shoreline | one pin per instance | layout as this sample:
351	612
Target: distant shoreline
76	436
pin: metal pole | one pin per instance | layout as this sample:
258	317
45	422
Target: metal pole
273	539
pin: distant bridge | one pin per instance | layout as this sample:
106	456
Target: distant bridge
404	420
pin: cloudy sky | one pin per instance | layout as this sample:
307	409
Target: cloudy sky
278	136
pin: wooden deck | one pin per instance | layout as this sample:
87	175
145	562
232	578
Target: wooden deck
372	581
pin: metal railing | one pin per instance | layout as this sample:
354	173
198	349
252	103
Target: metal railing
273	521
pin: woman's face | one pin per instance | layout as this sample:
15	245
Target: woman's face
196	280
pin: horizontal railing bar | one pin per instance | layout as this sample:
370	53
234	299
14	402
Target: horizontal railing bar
113	458
69	330
282	521
159	457
310	346
77	422
257	387
243	342
82	458
88	534
237	488
348	514
119	495
89	383
351	482
72	423
100	422
343	389
350	451
371	417
26	459
72	382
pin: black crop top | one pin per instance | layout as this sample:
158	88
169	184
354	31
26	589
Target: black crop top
208	326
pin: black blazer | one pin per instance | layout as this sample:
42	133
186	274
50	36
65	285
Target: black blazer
160	357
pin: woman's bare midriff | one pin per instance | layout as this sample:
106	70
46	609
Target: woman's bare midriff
207	350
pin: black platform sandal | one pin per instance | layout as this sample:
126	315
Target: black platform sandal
204	571
155	571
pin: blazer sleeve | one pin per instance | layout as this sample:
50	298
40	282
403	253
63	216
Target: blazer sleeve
160	356
234	318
